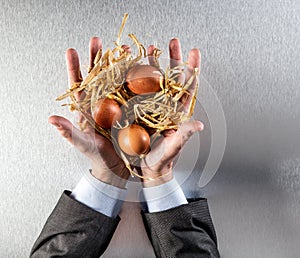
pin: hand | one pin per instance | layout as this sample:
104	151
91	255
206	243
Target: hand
107	166
158	162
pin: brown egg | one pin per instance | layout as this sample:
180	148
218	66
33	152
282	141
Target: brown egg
106	112
134	140
143	79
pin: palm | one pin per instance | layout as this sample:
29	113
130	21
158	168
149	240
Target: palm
101	151
159	160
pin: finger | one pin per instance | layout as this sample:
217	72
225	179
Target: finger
187	129
95	46
150	52
168	133
82	141
126	48
194	60
73	68
175	53
176	142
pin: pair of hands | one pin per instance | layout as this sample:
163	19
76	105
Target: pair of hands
107	166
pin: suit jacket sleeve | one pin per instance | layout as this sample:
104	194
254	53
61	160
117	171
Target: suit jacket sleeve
74	230
184	231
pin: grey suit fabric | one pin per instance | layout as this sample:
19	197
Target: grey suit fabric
75	230
184	231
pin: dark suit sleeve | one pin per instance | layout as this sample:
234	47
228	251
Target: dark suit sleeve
74	230
184	231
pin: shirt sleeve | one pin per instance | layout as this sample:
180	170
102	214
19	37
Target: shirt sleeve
163	197
99	196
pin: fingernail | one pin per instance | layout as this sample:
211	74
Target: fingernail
200	126
56	124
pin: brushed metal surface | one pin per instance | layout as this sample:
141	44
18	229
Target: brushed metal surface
250	57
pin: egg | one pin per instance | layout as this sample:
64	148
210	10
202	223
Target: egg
134	140
142	79
106	112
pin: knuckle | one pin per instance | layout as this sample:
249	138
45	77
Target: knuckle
66	134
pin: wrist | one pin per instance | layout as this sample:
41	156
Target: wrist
156	179
116	178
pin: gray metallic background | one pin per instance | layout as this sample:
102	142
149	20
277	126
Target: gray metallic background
250	57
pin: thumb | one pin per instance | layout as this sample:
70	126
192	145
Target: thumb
187	129
176	142
82	141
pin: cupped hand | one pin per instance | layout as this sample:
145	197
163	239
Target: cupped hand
107	166
157	165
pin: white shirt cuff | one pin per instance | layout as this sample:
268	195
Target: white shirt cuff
164	197
99	196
